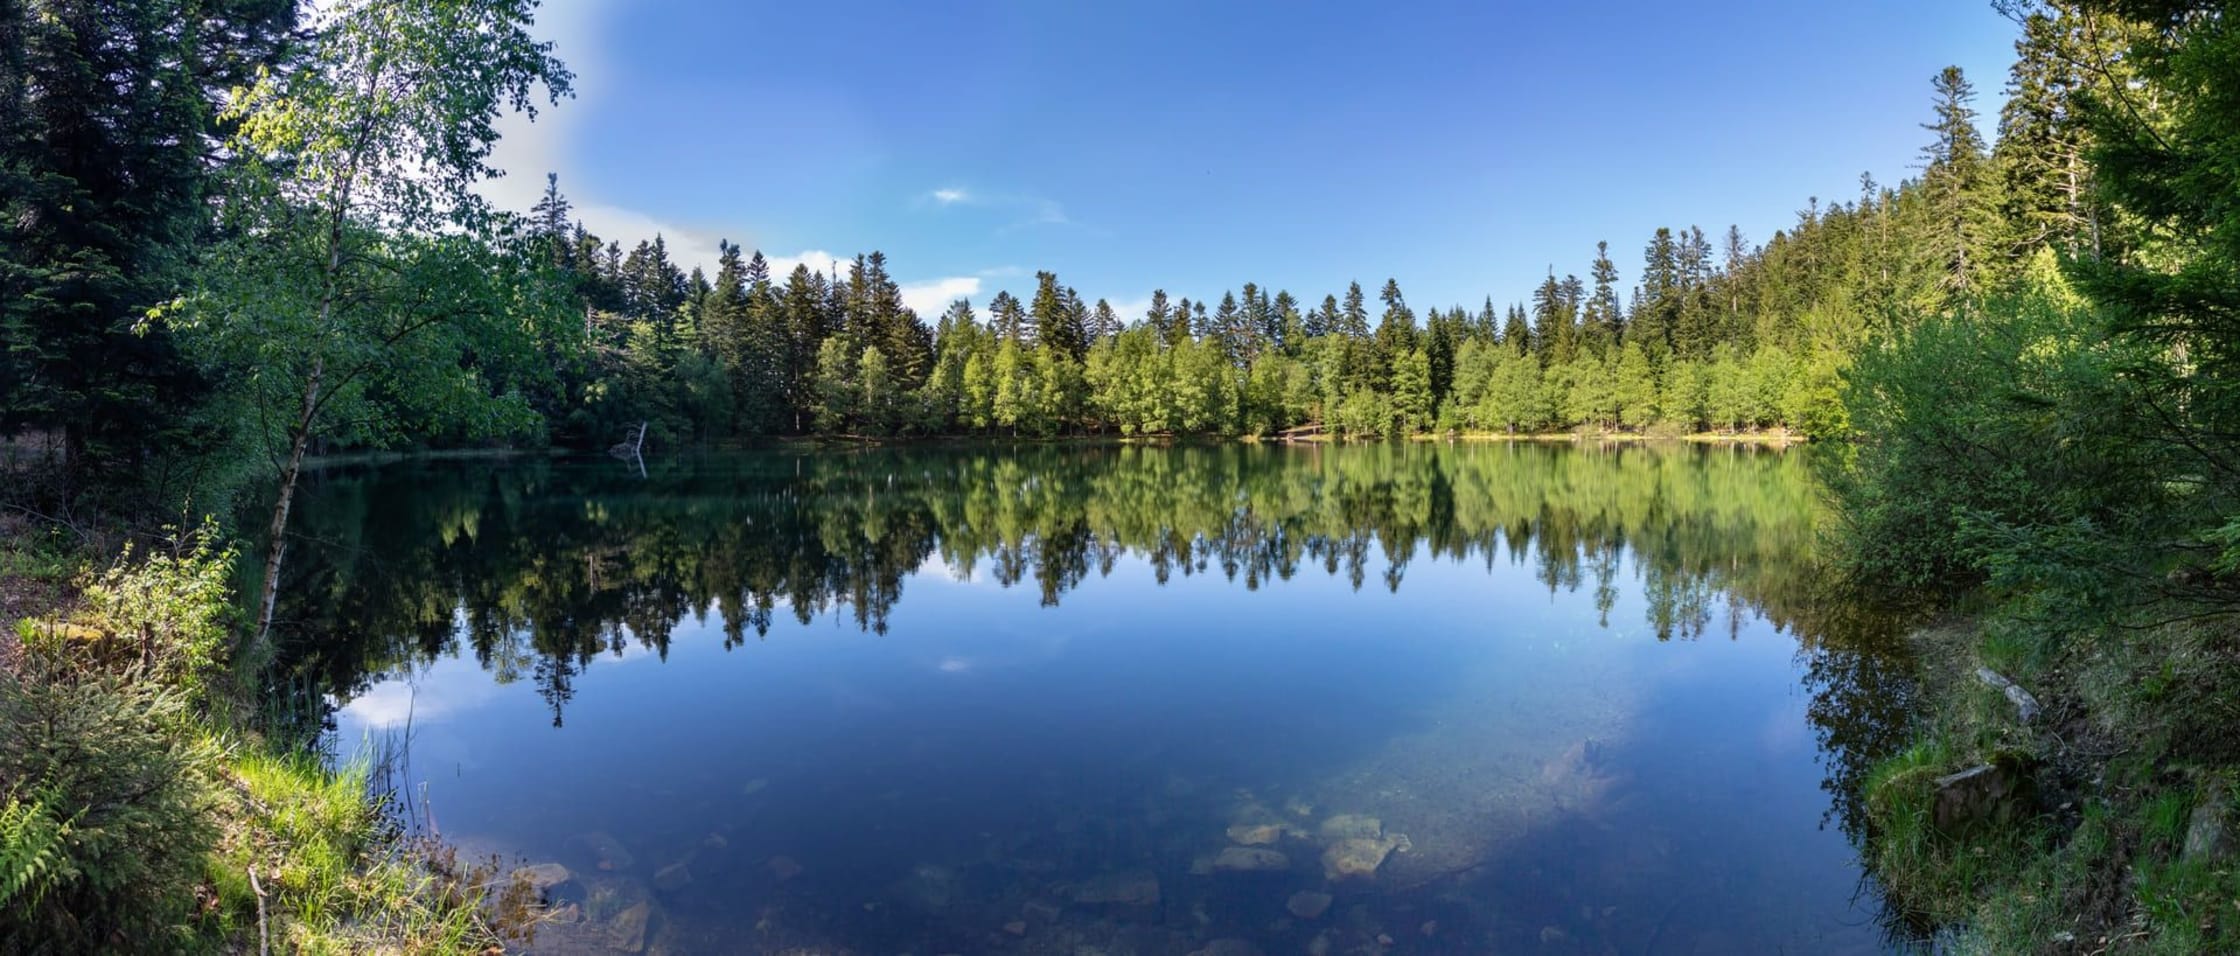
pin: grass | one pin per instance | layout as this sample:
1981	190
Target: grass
338	877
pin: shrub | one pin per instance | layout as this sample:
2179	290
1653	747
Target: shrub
1997	447
164	617
109	795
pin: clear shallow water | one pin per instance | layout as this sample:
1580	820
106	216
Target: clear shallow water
1411	698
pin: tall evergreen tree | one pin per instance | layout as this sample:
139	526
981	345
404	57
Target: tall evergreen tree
1957	186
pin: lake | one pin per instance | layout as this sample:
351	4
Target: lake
1405	698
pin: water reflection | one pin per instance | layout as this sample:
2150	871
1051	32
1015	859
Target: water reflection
1079	703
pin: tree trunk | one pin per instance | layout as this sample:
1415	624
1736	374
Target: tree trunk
288	474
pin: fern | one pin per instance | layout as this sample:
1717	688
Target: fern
30	849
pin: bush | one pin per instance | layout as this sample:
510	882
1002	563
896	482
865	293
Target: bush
109	795
165	617
1997	447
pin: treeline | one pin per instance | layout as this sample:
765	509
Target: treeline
159	340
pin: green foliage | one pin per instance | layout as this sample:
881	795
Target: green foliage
336	879
117	763
1994	446
167	617
30	849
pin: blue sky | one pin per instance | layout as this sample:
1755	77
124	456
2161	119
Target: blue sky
1463	148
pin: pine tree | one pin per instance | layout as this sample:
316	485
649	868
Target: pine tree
1957	186
1396	332
1057	325
107	142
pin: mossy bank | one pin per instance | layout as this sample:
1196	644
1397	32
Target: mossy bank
2100	822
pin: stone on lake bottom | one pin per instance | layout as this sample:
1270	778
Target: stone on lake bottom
1126	887
1308	904
627	933
609	851
1351	826
542	877
1255	834
671	878
783	867
1359	857
1246	859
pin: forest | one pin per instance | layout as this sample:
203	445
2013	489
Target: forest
240	235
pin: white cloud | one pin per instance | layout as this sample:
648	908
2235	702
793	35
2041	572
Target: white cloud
819	261
930	299
528	150
950	197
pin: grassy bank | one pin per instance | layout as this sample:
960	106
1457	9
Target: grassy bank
2118	836
143	806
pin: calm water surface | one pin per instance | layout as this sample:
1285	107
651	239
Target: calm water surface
1408	698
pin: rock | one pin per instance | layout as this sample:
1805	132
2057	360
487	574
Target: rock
1247	859
1126	888
1359	856
1552	935
1351	826
1040	911
1017	927
1430	927
928	888
1227	947
1255	834
570	913
1308	904
1986	793
1385	939
671	878
627	932
2025	706
542	877
783	867
607	850
754	786
715	841
2208	832
1319	945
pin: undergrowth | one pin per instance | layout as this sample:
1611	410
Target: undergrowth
142	808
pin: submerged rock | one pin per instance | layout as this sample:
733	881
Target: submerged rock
609	852
1227	947
671	878
1256	834
542	877
1253	824
1308	904
1360	857
783	867
928	888
1246	859
1126	888
627	933
1351	826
